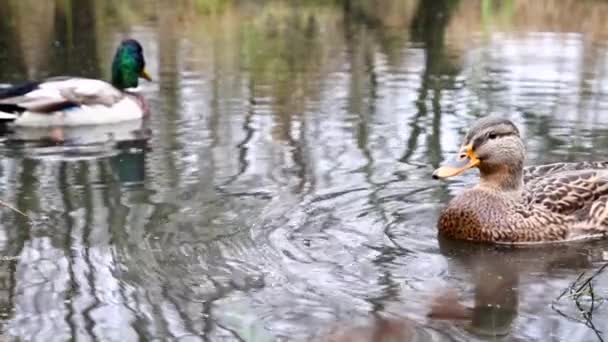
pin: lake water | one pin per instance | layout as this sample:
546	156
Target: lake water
281	190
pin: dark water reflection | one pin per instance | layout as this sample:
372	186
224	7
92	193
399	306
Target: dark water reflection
281	190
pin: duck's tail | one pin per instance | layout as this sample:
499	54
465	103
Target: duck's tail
4	116
18	89
10	98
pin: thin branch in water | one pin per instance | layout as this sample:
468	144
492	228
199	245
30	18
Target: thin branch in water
585	299
2	203
570	287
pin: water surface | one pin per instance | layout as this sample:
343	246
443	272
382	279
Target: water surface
281	189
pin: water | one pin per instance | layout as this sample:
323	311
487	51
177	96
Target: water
281	189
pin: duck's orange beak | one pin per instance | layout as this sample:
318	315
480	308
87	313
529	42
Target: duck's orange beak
467	159
144	74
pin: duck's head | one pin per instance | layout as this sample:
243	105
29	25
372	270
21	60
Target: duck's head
129	65
494	146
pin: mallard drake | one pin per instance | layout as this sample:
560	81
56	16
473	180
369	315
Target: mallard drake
517	204
75	101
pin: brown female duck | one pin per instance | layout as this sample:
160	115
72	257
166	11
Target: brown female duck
513	204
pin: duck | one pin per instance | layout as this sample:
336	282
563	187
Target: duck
76	101
513	204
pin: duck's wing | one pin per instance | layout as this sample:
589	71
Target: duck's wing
580	200
56	94
534	173
566	192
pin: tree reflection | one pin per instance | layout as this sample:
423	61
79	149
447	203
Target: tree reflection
428	27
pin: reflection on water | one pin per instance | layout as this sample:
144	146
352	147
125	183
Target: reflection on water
281	189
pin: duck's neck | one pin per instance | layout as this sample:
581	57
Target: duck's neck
124	76
119	83
503	178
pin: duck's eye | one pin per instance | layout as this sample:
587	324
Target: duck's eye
492	136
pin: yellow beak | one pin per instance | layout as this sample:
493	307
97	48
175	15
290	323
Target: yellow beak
468	159
144	74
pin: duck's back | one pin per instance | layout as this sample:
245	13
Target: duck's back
535	173
58	92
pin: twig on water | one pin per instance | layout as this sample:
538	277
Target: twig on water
586	301
2	203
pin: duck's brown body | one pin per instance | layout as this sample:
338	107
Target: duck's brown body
548	203
485	216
